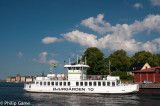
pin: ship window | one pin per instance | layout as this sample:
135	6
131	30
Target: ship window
113	83
60	83
77	68
90	83
44	83
40	83
84	68
56	83
69	68
52	83
99	83
86	83
104	83
64	83
118	82
69	83
80	68
108	83
48	83
73	68
77	83
81	83
94	83
37	83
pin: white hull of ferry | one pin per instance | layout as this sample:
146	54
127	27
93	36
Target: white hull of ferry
78	82
129	88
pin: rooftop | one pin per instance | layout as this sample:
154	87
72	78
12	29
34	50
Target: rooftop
147	70
136	66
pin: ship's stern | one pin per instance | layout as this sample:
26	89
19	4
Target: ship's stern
135	88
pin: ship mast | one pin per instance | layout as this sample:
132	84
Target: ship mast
64	69
77	58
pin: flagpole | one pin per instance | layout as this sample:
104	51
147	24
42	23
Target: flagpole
53	66
52	69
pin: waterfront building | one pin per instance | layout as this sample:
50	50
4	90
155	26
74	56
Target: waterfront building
150	74
137	66
8	79
23	79
29	79
18	78
13	79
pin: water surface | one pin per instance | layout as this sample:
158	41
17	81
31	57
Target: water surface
146	97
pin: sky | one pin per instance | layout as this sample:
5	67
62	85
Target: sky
36	33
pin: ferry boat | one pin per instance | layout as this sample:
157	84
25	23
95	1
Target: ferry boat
78	82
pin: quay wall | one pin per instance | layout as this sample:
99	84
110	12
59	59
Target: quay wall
143	86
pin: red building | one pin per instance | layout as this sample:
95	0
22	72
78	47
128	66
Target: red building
150	74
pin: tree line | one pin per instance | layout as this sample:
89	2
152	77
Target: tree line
120	61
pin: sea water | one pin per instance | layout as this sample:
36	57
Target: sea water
12	94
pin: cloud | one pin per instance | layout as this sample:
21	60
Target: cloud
97	24
152	46
53	54
48	40
43	59
20	54
79	37
138	5
120	37
155	2
150	23
52	61
112	42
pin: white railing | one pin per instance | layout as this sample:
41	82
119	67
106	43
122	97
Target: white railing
96	77
86	77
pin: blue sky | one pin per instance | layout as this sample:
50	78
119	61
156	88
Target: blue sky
35	33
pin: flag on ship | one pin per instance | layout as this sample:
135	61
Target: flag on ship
54	65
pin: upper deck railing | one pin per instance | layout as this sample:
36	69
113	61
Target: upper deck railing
87	77
96	77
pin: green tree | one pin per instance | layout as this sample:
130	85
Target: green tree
158	56
143	57
123	75
119	60
95	59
